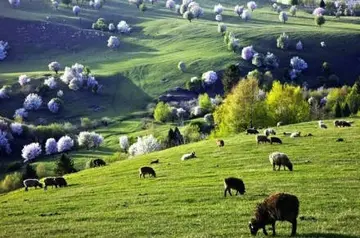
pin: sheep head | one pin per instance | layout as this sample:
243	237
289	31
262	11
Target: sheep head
290	166
193	155
254	227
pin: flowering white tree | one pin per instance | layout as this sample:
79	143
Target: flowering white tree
319	11
60	93
5	92
218	17
247	53
209	77
251	5
170	4
299	45
113	42
136	2
14	3
218	9
271	61
90	139
246	15
91	82
55	4
97	4
54	105
283	17
65	143
21	112
196	10
3	50
239	9
197	111
54	66
31	151
16	128
51	82
76	83
72	72
32	102
124	143
51	146
112	27
144	145
4	143
293	10
123	27
76	10
24	79
298	63
222	28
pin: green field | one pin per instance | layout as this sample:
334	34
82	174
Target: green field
186	199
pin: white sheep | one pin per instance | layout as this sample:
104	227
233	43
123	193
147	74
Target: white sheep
269	131
322	125
188	156
295	134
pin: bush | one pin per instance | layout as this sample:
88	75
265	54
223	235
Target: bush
13	166
100	24
32	102
195	84
124	143
283	41
41	171
29	172
205	102
320	20
64	165
144	145
86	123
55	105
191	133
11	182
162	112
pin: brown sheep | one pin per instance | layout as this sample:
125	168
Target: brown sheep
32	183
220	143
147	170
234	183
275	140
262	139
50	182
61	182
280	159
276	207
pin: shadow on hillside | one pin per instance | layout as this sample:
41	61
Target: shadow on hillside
326	235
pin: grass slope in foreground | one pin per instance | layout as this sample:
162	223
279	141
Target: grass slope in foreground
186	199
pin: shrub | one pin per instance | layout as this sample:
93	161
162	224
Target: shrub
11	182
144	145
24	79
90	139
32	102
16	128
205	102
209	77
182	66
29	172
222	28
299	45
162	112
4	143
123	27
319	20
64	165
283	17
247	53
31	151
76	10
246	15
170	4
51	146
283	41
231	77
41	170
124	143
86	123
293	10
100	24
55	105
54	66
191	133
65	143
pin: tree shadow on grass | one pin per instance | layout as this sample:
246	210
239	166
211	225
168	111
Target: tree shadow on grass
326	235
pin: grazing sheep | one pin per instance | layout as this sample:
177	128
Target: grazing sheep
147	170
252	131
280	123
295	134
32	183
262	139
269	131
342	123
275	140
280	159
287	133
155	161
220	143
50	182
234	183
276	207
339	140
99	162
307	135
322	125
61	182
188	156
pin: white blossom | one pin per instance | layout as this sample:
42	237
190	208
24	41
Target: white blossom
51	82
65	143
54	66
322	43
55	4
14	3
239	9
32	102
3	50
112	27
5	92
209	77
31	151
4	143
76	10
90	139
298	64
319	11
246	15
271	60
51	146
97	4
24	79
113	42
247	53
170	4
218	9
218	17
123	27
21	112
124	142
299	45
60	93
16	128
54	105
251	5
144	145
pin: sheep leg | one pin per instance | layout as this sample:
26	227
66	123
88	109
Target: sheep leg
274	166
26	189
45	188
293	230
279	167
229	189
225	192
237	192
140	175
273	228
284	167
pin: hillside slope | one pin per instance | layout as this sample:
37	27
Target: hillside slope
186	199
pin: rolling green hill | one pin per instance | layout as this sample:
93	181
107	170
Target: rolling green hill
186	199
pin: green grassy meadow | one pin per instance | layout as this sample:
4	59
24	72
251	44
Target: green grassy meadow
186	199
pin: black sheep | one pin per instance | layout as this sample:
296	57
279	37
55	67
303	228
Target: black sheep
61	182
276	207
98	162
275	140
252	131
234	183
50	182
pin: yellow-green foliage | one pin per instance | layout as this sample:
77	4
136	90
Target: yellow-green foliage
191	133
11	182
336	95
42	171
286	103
240	107
162	112
205	102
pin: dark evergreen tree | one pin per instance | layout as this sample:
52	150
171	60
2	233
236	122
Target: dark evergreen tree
179	137
29	172
337	110
231	78
64	165
322	4
294	2
346	110
170	138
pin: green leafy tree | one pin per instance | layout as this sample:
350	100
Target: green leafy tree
192	133
337	110
231	78
346	110
28	172
205	102
286	103
241	107
353	98
162	112
283	41
64	165
320	20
